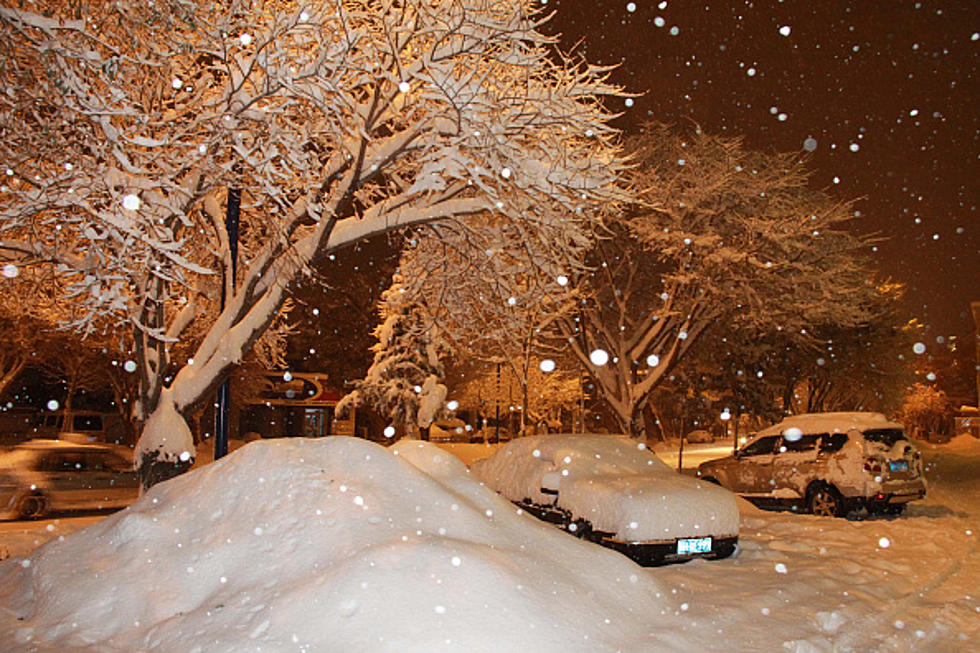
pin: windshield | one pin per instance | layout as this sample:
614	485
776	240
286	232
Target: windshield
887	437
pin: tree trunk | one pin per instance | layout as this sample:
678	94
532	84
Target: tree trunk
638	424
166	446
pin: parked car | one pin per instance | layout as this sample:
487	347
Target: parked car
614	491
85	425
43	476
491	433
451	429
826	463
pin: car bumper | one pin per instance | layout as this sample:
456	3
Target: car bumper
646	554
652	554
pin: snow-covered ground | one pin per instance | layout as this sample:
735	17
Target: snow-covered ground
339	545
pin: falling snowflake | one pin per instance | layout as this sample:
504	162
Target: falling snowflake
785	30
599	357
404	87
792	434
547	365
10	270
132	202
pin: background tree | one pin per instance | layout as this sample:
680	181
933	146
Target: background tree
130	132
719	235
30	314
550	399
927	413
493	291
404	381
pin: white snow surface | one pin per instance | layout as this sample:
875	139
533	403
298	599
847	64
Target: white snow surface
325	545
616	483
840	422
799	583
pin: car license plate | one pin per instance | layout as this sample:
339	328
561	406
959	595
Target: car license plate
898	465
694	545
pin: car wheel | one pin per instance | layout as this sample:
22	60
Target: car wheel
825	501
32	506
894	508
722	552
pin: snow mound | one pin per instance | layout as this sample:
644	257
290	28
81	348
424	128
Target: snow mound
963	443
335	544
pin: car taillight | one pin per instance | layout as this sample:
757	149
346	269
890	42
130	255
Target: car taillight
872	465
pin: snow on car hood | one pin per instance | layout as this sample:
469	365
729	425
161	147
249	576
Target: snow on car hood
617	484
334	544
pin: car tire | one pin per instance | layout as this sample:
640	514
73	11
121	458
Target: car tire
32	506
825	501
894	508
722	552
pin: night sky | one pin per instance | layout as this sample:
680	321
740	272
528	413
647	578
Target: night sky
886	91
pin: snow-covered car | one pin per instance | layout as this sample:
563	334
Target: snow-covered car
826	463
451	429
43	476
614	491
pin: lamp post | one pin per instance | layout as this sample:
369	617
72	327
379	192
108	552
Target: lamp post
725	417
222	410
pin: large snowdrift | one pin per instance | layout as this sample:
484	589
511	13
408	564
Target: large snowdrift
328	545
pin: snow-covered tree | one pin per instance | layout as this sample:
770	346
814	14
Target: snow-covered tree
927	413
404	382
29	314
493	291
854	367
718	234
129	132
541	396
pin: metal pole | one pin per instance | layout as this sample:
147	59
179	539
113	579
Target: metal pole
680	454
223	408
496	432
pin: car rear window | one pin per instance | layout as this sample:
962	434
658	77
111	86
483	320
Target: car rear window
887	437
831	442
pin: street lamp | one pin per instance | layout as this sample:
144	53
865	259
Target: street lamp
725	416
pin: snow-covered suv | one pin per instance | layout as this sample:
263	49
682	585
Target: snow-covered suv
826	463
